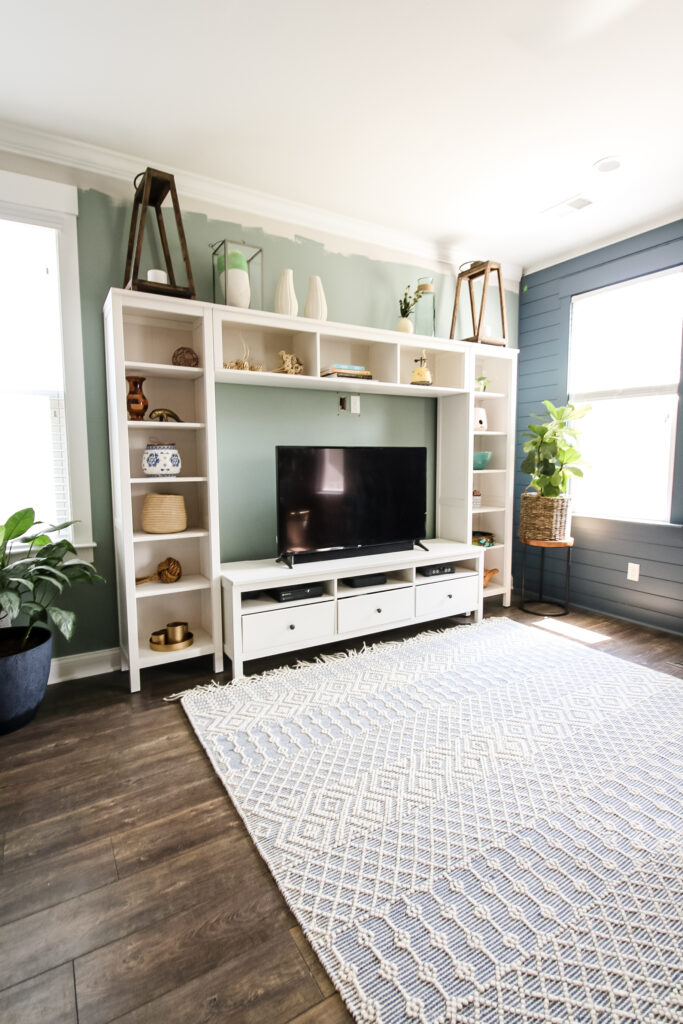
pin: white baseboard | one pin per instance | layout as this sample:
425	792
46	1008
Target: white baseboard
92	663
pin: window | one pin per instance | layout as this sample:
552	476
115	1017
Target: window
42	394
625	360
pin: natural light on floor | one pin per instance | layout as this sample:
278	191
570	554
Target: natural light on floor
586	636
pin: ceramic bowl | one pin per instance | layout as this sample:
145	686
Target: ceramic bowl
482	459
161	460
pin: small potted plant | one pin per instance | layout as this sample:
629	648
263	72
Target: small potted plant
34	571
551	460
406	305
481	383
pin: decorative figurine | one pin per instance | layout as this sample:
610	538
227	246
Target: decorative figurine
290	363
488	574
185	356
168	571
421	374
164	416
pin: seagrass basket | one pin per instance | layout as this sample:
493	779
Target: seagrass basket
164	513
544	518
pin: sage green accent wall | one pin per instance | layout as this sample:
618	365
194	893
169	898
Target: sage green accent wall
251	420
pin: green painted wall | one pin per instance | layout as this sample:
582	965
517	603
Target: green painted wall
251	420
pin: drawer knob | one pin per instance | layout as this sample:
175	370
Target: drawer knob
292	627
379	611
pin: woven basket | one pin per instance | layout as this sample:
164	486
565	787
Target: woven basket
164	513
544	518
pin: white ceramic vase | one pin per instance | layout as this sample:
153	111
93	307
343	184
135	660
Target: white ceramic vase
239	289
161	460
316	303
405	324
480	419
285	296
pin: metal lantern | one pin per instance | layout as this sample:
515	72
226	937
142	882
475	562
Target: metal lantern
237	271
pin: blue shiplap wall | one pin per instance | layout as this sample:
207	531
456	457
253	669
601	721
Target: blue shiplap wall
602	547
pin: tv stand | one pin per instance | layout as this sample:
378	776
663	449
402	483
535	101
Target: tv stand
254	627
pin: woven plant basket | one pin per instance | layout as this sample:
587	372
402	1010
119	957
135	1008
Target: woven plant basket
164	513
544	518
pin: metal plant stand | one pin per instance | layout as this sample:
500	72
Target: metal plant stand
543	544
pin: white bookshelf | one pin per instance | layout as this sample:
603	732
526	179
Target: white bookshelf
142	331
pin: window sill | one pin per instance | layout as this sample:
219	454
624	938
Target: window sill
624	519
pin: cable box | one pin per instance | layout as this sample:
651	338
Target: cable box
297	593
375	579
437	570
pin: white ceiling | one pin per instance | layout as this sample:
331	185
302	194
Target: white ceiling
456	123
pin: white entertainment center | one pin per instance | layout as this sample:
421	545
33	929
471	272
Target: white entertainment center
142	331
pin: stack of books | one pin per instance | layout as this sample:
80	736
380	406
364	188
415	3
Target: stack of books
346	370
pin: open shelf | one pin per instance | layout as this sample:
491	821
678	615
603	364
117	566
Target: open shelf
265	602
160	480
157	425
185	583
488	394
203	644
142	537
163	370
488	508
493	590
291	380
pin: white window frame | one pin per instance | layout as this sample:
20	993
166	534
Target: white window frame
54	205
580	397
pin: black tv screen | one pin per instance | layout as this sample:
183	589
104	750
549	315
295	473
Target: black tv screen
333	502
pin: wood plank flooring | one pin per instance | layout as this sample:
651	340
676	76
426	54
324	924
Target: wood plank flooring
130	890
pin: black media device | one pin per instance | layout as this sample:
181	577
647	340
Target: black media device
375	579
436	570
297	592
340	502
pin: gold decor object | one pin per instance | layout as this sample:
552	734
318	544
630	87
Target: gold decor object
185	356
488	575
475	270
544	518
168	571
165	416
421	373
290	363
175	637
164	513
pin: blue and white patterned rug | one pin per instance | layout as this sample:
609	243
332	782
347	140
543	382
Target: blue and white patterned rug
480	825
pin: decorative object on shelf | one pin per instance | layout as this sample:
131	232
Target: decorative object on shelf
244	276
349	370
475	270
165	416
175	637
551	460
483	538
243	363
28	589
285	296
157	276
488	576
480	419
164	513
161	459
185	356
136	401
481	383
476	498
316	303
480	460
151	189
421	374
425	311
405	307
168	571
290	363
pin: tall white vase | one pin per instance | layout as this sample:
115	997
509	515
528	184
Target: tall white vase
316	303
285	296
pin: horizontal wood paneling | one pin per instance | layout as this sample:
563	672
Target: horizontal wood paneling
602	547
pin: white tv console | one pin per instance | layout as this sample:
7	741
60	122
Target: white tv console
255	624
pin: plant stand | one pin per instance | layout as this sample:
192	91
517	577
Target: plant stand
543	544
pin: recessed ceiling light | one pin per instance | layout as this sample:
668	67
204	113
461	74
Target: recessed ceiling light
606	164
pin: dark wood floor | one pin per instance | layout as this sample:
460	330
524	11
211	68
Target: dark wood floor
131	891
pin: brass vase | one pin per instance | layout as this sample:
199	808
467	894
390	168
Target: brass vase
136	401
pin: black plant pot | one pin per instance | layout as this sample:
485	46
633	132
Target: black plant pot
23	675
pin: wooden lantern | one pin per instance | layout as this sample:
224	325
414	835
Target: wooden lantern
151	189
482	268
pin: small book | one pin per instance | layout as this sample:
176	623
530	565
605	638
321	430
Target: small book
354	374
345	366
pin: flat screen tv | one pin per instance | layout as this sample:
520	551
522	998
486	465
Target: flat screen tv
338	502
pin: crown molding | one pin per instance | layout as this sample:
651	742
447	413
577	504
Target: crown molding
29	142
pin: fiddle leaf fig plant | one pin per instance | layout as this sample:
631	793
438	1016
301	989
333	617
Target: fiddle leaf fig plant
551	454
35	571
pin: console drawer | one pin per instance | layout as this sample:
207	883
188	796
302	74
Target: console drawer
287	627
368	610
448	597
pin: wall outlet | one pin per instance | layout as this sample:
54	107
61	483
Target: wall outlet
355	404
633	571
343	404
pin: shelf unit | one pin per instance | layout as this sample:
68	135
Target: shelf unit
142	331
141	334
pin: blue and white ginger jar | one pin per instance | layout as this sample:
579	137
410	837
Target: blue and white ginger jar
161	460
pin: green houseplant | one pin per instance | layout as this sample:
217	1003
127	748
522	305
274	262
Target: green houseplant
34	572
551	459
406	305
